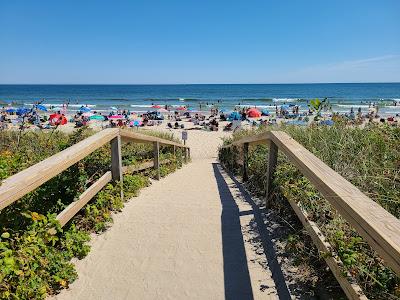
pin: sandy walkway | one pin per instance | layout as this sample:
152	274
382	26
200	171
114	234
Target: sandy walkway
182	238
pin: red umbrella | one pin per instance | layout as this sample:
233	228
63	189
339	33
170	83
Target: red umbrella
156	106
253	113
181	108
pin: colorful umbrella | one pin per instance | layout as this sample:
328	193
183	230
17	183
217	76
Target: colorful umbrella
116	117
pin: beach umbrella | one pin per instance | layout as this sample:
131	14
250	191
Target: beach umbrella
10	110
96	117
22	111
181	108
156	106
58	119
253	113
234	116
113	108
116	117
87	114
136	122
265	112
41	107
85	109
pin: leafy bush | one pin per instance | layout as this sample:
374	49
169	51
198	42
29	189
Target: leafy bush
35	262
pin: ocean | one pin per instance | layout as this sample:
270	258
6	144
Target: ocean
140	98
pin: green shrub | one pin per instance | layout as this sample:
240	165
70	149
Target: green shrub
33	262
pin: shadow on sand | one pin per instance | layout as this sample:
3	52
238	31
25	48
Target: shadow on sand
236	273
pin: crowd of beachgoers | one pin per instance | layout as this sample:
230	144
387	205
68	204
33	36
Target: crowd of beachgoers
39	116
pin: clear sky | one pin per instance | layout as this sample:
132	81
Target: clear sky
202	41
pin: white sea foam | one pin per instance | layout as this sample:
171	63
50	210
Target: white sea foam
141	105
60	104
352	105
285	99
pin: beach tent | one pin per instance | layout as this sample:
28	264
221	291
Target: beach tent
253	113
234	116
265	112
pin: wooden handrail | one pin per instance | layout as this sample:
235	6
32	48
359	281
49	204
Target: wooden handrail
376	225
20	184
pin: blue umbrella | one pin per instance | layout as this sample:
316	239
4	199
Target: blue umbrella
10	110
85	109
41	107
22	110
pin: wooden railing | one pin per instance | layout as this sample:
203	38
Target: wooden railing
376	225
20	184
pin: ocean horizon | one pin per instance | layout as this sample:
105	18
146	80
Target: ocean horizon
140	97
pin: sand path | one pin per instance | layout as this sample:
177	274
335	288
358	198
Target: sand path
186	236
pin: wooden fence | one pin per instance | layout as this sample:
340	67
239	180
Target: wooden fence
376	225
18	185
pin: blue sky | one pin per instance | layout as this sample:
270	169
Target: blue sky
199	41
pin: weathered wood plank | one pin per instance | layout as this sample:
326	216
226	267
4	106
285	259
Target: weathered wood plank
156	155
116	159
142	166
348	283
71	210
272	161
245	161
143	138
29	179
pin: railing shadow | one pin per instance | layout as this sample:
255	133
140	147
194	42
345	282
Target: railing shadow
236	273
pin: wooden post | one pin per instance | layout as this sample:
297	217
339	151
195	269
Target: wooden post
116	162
156	153
272	160
245	161
185	154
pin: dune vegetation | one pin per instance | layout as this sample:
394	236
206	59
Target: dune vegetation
369	158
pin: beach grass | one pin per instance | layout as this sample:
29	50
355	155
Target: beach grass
369	158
